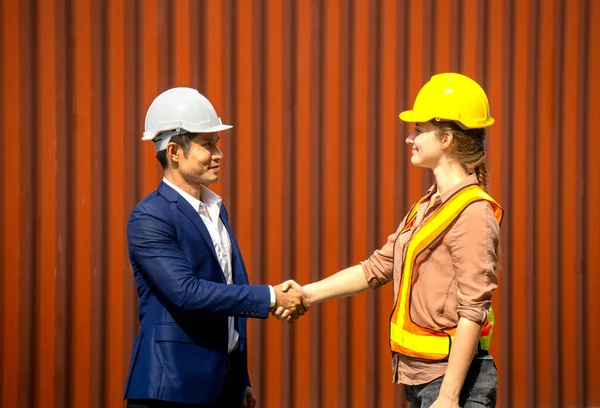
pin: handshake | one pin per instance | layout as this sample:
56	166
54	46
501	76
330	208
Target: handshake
291	301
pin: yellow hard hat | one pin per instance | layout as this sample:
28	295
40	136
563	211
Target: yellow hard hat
454	97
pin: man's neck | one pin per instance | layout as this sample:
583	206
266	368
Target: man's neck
176	179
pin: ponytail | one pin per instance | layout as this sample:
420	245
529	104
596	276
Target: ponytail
481	172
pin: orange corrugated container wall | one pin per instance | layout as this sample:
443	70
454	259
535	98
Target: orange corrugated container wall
316	176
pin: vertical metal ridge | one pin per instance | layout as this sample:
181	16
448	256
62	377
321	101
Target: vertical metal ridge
401	161
165	50
233	16
228	84
557	157
345	158
133	108
429	36
29	199
533	219
100	245
3	190
260	186
293	120
62	278
132	128
288	223
456	16
316	192
402	103
581	245
482	43
288	185
70	165
506	241
434	35
169	43
198	30
373	193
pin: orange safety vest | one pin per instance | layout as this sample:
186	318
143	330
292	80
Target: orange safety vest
406	337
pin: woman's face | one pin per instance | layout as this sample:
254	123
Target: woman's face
427	149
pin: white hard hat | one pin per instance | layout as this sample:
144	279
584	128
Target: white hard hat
177	111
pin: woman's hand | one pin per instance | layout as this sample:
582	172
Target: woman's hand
445	402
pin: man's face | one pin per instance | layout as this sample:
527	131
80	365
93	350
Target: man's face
202	163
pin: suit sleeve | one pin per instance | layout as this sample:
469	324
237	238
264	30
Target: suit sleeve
155	252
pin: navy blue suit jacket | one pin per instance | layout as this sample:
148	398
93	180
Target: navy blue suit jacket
180	352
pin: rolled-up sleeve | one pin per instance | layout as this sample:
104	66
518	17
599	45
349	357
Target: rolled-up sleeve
379	267
475	243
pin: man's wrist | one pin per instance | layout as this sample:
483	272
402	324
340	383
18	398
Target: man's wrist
273	298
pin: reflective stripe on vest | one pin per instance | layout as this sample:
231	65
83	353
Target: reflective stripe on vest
406	337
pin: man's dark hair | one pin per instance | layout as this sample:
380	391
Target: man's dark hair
183	140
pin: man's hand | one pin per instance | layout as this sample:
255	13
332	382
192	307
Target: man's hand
285	312
249	400
291	301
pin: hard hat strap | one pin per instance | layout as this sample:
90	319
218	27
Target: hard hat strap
163	138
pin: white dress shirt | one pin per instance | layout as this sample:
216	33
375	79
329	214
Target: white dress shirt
209	207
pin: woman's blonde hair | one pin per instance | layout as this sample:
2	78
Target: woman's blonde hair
468	147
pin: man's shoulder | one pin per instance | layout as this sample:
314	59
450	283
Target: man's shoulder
154	204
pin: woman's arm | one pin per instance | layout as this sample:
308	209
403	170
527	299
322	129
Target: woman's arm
348	282
372	273
461	355
474	255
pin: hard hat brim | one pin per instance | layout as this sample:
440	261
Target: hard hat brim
409	116
190	129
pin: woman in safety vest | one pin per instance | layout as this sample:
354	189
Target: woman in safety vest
442	258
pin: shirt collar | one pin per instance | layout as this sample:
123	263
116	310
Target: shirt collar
207	196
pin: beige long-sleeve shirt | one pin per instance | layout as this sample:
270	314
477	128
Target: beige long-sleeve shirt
455	279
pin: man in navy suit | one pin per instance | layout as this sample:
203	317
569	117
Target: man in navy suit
193	289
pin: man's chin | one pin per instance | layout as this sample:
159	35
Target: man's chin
210	180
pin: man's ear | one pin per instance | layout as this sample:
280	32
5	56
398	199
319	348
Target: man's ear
173	152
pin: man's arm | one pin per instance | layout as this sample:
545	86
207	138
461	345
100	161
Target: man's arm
154	249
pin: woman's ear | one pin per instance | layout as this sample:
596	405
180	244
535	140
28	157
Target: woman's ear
446	139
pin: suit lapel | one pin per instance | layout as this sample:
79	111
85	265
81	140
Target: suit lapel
191	213
239	276
198	223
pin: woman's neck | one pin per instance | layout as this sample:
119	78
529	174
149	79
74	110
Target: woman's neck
448	174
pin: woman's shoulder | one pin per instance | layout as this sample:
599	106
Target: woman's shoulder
478	215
